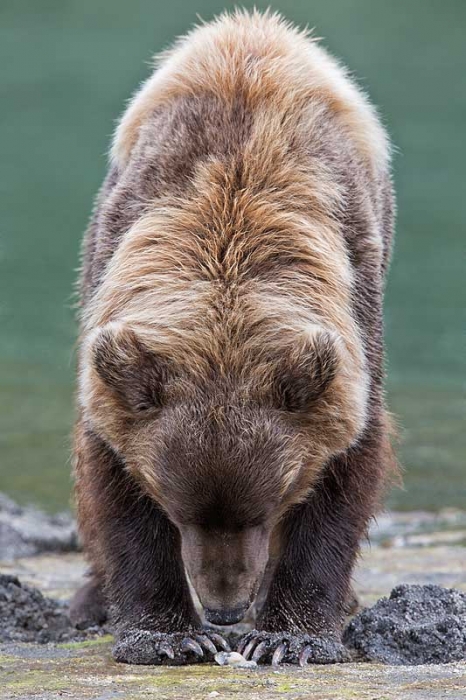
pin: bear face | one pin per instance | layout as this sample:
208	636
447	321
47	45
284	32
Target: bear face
224	453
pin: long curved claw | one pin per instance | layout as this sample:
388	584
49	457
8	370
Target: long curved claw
304	655
249	647
278	654
220	642
260	650
167	650
242	645
189	644
206	643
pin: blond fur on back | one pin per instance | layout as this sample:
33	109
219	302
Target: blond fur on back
268	59
251	256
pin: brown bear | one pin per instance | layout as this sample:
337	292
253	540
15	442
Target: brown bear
232	430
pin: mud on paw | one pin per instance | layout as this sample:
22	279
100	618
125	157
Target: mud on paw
145	647
281	647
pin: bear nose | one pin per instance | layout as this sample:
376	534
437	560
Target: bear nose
226	616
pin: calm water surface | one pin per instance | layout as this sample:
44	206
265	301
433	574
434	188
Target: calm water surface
67	68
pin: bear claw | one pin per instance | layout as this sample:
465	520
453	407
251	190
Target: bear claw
189	644
146	647
275	648
279	653
167	650
304	655
206	643
219	641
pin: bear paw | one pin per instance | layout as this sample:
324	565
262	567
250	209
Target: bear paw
146	647
281	647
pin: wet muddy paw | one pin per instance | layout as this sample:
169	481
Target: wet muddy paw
280	647
145	647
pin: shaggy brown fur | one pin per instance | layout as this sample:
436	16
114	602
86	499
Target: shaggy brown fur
231	360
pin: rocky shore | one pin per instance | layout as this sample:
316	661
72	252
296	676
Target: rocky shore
419	623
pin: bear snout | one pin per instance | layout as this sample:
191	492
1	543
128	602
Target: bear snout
225	569
226	616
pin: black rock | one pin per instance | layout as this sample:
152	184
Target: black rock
28	616
415	625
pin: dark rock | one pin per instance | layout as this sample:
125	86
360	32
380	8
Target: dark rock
28	616
415	625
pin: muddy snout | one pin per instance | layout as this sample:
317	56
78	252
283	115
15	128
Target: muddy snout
225	569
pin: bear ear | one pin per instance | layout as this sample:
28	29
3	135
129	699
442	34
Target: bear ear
306	374
136	375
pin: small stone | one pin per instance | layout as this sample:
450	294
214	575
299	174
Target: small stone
213	694
233	658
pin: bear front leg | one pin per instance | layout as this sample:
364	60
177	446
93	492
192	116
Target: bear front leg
302	617
136	551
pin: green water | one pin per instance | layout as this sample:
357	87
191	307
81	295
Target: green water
67	66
